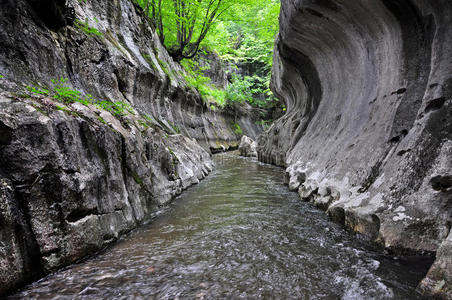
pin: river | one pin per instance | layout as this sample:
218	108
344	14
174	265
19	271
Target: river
239	234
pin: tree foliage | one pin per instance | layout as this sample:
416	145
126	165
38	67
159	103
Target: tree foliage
241	32
244	37
182	25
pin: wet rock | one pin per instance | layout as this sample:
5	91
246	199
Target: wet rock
337	214
19	256
306	192
75	185
441	183
364	223
78	177
323	202
297	176
369	115
247	147
439	280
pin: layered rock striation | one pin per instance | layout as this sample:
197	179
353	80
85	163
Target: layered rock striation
368	129
71	185
109	49
74	177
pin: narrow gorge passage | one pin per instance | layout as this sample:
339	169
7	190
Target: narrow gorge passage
238	234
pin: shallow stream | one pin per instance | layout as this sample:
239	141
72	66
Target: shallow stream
239	234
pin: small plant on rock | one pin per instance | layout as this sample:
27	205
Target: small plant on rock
37	90
237	129
84	26
115	108
63	93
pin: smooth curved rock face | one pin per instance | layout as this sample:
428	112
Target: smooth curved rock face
368	88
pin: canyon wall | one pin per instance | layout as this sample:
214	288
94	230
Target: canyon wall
368	131
109	49
74	177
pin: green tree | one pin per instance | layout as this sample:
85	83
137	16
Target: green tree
182	25
245	36
241	32
154	9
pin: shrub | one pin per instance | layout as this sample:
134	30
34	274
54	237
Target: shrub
65	94
195	79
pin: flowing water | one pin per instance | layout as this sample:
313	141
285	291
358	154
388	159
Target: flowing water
239	234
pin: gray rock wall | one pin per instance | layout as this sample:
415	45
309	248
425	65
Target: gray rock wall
74	178
368	129
71	184
126	62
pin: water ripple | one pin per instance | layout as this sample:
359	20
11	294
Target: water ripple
238	234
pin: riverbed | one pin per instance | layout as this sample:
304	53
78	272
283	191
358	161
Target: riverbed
239	234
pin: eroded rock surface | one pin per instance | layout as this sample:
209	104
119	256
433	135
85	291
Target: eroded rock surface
75	184
368	129
247	147
74	177
108	49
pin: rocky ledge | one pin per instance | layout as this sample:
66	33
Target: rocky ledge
73	180
368	131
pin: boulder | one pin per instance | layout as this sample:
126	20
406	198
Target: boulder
247	147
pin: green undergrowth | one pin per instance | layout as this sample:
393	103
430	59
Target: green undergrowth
64	94
237	129
137	178
84	26
195	79
109	36
149	60
174	162
146	121
241	89
102	120
166	69
174	127
39	109
265	124
65	109
61	92
241	38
